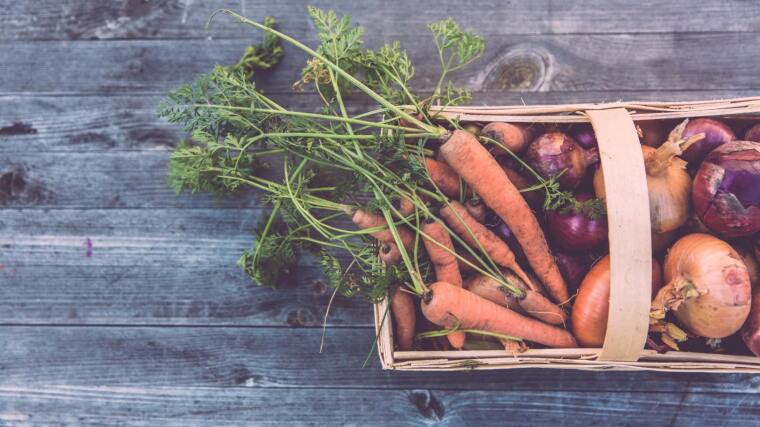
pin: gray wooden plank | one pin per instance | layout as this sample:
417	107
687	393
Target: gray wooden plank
129	179
125	237
168	294
150	266
33	124
79	19
688	61
179	406
272	358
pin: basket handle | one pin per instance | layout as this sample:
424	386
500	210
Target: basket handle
630	237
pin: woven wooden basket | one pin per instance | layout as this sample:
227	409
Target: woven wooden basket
629	244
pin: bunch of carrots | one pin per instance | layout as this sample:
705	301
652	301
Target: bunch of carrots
479	233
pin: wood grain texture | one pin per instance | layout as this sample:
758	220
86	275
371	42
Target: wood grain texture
180	406
273	358
167	294
564	63
159	326
79	19
31	124
128	179
126	237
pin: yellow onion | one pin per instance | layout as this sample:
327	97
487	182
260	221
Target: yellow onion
592	305
708	287
668	182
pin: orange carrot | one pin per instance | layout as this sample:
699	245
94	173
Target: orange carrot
448	306
405	206
479	169
436	238
533	303
477	209
466	227
482	286
389	253
513	136
364	220
404	318
444	262
443	177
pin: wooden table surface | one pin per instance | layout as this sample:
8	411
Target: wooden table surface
157	326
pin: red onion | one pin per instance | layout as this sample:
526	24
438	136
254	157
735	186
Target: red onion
579	228
555	152
753	134
652	132
503	231
716	134
585	137
573	268
726	189
751	329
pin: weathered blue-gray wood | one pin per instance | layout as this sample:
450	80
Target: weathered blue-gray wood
157	326
81	19
547	62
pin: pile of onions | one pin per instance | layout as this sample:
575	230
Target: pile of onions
726	191
708	287
576	228
555	153
716	134
591	307
668	182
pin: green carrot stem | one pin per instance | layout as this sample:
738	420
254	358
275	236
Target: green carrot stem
361	86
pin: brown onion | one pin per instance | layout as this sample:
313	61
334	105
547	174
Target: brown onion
708	287
555	153
669	188
592	305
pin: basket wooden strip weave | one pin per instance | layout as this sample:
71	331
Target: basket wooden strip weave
630	248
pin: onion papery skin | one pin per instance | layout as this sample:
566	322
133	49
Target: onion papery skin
717	272
552	153
592	305
669	193
716	133
726	191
